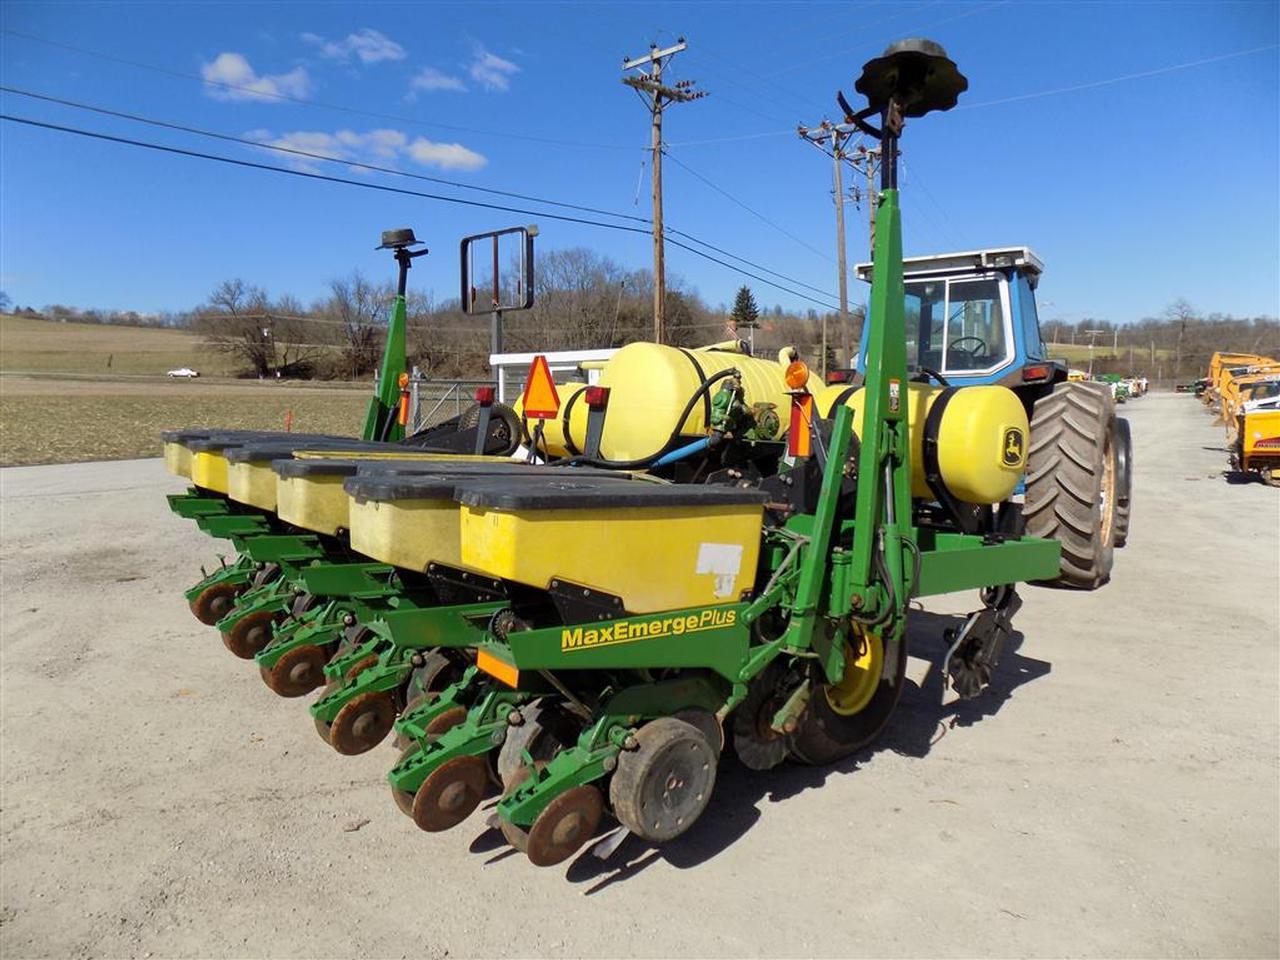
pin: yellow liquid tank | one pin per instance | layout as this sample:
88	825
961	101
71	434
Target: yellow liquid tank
982	438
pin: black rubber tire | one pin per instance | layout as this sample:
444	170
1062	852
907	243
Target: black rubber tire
1123	445
1069	464
824	736
504	427
669	749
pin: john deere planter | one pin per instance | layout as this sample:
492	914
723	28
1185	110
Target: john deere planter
703	551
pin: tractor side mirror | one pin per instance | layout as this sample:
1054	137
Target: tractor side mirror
497	270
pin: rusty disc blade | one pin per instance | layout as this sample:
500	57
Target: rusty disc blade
297	672
250	635
214	602
446	721
360	666
564	825
450	793
362	723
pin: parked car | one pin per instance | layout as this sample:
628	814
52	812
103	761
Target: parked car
183	372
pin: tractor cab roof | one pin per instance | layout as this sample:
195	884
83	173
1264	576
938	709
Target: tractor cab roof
1022	259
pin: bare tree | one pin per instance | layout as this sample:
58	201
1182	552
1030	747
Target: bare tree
360	308
239	319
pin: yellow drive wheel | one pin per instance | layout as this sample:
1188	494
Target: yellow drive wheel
842	718
862	668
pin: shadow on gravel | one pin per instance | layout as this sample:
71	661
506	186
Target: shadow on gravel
920	721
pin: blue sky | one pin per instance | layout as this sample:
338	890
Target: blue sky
1163	184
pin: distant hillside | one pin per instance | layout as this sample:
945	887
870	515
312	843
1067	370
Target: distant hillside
29	345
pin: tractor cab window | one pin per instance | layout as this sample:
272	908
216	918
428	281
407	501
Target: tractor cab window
975	336
924	312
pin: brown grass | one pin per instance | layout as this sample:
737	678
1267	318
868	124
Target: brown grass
55	421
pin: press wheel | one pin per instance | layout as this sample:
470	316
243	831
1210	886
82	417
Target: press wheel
844	717
362	723
564	825
450	793
250	635
660	788
214	602
297	672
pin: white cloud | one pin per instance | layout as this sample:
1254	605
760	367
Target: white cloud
491	71
380	146
230	77
446	156
371	46
430	79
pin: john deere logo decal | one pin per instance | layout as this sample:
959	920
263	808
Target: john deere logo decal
1013	447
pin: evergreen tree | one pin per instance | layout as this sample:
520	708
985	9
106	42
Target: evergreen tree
745	314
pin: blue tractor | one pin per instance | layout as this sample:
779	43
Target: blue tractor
971	319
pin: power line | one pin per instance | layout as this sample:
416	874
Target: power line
169	125
273	95
1129	76
755	213
396	172
384	188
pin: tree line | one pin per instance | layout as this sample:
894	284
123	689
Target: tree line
584	300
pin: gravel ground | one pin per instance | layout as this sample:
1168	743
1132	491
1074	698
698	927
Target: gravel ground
1113	794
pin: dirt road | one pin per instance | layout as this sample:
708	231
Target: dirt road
1114	793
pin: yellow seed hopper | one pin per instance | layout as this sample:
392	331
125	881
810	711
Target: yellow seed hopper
653	547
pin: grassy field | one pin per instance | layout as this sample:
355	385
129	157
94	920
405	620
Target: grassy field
46	420
48	346
61	402
1078	353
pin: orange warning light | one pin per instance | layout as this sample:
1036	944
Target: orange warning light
797	375
541	401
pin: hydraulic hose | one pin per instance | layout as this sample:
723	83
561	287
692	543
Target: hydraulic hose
697	394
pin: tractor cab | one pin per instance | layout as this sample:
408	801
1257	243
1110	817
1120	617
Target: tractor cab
971	318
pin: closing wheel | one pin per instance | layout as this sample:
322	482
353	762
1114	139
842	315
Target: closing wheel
438	724
660	788
362	723
564	825
1071	480
843	717
297	672
529	736
250	634
214	602
450	793
360	666
516	835
403	798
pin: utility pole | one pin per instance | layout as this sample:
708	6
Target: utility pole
648	84
1093	334
832	139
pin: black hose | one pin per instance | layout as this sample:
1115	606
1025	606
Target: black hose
666	447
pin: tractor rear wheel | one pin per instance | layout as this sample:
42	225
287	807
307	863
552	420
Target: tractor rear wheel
1071	480
1124	482
842	718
